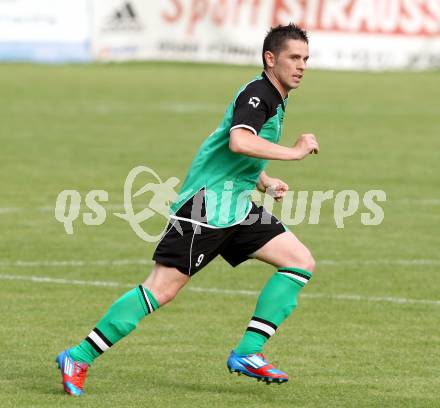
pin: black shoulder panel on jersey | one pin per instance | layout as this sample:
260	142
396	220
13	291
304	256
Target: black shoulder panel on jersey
256	104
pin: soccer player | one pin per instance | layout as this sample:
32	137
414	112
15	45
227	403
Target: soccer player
214	215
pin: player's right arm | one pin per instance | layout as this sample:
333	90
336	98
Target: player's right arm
244	141
252	108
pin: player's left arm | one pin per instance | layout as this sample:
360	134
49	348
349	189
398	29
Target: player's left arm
275	187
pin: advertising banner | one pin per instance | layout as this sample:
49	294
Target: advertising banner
220	31
368	34
45	30
344	34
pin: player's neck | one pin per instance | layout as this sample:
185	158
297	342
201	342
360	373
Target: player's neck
277	84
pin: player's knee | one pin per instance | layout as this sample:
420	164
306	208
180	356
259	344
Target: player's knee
164	295
304	260
310	263
170	295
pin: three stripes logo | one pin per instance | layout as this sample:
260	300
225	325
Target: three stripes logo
254	361
124	18
68	366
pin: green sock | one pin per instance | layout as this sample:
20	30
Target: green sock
275	303
122	317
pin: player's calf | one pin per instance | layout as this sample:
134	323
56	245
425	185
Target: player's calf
120	319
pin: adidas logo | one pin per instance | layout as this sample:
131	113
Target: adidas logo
123	19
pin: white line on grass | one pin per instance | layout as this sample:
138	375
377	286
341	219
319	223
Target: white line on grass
122	262
116	207
184	107
62	281
357	298
80	263
7	210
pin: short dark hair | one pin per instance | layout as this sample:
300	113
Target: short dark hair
277	36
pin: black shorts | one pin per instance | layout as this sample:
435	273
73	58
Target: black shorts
189	246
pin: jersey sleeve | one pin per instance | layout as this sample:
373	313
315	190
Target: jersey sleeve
251	110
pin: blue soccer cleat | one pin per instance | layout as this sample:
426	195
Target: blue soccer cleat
73	373
254	365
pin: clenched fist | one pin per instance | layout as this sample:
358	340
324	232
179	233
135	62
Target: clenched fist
306	144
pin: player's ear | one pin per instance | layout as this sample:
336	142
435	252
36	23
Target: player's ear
269	57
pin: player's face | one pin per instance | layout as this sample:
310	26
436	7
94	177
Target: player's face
290	64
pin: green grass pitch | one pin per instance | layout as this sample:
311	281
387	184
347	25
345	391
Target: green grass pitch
366	332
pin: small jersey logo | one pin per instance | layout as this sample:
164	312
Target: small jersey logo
200	259
254	101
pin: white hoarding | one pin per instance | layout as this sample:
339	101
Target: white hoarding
45	30
368	34
344	34
178	30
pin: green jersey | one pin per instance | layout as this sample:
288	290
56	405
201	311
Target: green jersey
217	189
